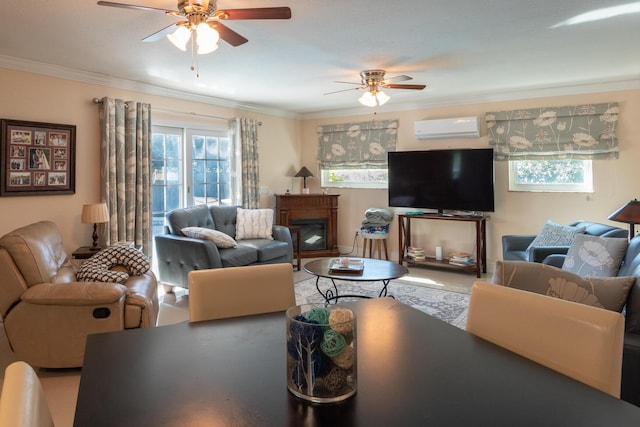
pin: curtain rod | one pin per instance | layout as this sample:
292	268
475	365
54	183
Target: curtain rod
164	110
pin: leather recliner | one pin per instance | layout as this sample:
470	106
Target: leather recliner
47	314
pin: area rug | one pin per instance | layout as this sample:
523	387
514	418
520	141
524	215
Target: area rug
448	306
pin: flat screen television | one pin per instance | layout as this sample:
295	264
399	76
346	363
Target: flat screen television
446	180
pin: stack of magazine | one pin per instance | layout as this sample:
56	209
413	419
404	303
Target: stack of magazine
461	258
346	266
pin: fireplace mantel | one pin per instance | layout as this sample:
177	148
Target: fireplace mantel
292	207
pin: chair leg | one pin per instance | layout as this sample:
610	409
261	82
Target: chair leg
386	254
364	248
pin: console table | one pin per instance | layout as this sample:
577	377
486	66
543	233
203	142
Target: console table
480	265
317	217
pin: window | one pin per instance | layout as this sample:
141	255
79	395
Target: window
570	175
187	174
355	154
354	178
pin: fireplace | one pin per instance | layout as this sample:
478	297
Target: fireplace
313	232
317	217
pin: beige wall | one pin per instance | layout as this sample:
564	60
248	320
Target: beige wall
33	97
615	181
286	144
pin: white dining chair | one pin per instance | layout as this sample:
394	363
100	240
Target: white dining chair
22	401
577	340
240	291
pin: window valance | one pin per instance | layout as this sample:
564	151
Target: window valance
361	145
573	132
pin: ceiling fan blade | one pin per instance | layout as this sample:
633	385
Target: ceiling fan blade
161	33
228	35
136	7
400	78
255	13
348	83
396	86
343	90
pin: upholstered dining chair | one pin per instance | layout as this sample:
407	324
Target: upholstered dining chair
22	402
240	291
577	340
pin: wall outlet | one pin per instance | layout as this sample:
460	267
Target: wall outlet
357	232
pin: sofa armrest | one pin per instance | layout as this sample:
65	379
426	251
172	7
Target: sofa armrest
539	253
516	242
282	234
556	260
178	255
74	293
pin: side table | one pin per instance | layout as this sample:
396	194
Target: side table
84	252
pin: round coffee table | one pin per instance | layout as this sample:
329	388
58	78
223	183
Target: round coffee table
374	270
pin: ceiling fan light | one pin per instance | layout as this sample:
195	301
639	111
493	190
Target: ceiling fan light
382	97
368	100
180	37
207	38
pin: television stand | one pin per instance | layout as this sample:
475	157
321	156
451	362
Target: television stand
480	265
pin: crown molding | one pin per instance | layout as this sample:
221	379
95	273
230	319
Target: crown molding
627	83
50	70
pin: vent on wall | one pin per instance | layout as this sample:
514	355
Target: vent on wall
457	127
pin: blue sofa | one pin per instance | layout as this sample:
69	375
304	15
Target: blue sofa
178	254
514	246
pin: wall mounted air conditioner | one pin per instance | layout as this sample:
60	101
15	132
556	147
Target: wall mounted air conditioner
457	127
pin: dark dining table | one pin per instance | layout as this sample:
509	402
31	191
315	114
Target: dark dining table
413	370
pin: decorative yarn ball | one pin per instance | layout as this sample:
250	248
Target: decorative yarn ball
306	332
332	343
340	320
335	379
345	359
320	315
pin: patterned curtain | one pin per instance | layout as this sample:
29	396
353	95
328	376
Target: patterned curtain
125	150
246	190
574	132
357	145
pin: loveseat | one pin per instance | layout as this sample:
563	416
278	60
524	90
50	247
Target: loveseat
515	247
217	244
630	303
47	313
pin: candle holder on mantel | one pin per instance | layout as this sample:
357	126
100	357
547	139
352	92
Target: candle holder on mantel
304	173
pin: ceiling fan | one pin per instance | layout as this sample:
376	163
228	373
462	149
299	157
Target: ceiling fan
373	81
197	12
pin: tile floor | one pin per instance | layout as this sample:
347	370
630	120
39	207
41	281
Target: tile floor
61	386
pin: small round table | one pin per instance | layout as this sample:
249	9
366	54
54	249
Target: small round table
374	270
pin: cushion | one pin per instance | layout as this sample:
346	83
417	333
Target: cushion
254	224
98	267
553	234
595	256
221	240
610	293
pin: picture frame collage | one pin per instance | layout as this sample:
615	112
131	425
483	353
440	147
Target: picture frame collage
37	158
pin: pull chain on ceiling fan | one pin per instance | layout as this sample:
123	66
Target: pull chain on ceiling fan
373	81
202	23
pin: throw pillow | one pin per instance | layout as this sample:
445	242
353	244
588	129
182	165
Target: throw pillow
610	293
595	256
98	267
220	239
254	224
553	234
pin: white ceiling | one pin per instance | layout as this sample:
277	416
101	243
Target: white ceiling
461	49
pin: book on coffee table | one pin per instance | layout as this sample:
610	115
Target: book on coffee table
350	266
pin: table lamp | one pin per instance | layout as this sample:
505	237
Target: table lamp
95	214
629	213
304	173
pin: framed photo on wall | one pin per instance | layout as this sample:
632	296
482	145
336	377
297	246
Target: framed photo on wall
37	158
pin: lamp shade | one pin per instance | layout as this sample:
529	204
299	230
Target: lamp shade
629	213
304	173
95	214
